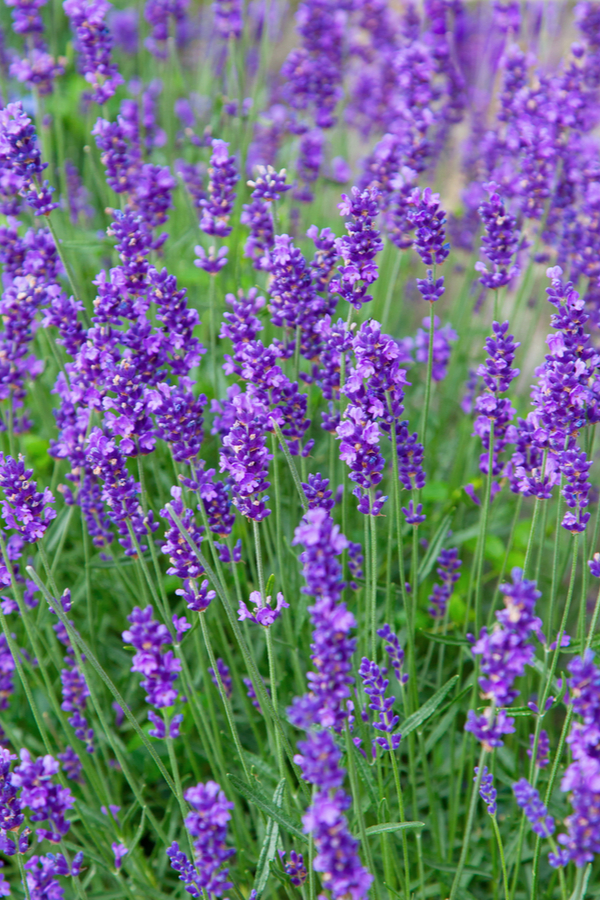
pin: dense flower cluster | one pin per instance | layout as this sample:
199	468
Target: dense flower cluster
504	651
375	685
160	670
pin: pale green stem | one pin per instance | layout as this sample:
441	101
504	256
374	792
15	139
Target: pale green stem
468	827
502	857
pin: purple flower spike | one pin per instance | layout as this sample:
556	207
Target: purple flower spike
487	791
414	516
442	338
263	613
225	677
207	824
94	42
268	185
500	241
218	205
594	565
375	685
529	800
24	508
294	867
449	571
428	220
359	248
213	261
394	651
160	670
119	851
46	800
497	374
543	749
229	23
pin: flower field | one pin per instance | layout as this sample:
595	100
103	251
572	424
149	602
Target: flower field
299	386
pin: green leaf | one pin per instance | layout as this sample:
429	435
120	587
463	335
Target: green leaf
366	775
516	711
392	826
428	708
263	803
446	867
262	767
433	551
446	639
269	847
270	585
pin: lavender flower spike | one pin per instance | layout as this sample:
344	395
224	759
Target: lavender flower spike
24	508
263	613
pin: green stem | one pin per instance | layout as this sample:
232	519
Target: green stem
428	381
401	816
483	534
502	857
373	591
224	697
273	677
357	804
468	827
292	467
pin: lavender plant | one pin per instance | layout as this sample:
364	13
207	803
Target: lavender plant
299	550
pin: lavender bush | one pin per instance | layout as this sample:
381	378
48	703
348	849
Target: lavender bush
299	383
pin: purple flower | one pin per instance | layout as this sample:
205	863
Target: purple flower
359	248
505	651
160	670
71	764
336	857
428	220
179	417
394	651
442	338
317	493
497	376
225	677
46	800
375	685
359	448
93	42
245	456
319	760
543	749
268	185
207	825
294	867
218	205
24	508
414	516
124	27
42	874
489	728
181	625
500	241
331	647
119	851
5	887
38	70
158	14
212	262
229	22
11	807
529	800
75	692
487	791
119	491
263	613
449	571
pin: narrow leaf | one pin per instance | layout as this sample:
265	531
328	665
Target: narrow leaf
428	708
392	826
366	775
449	639
269	847
268	807
433	551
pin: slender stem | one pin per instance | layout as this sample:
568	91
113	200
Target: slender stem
293	470
224	697
273	677
429	371
373	591
23	875
401	816
468	827
251	667
357	804
483	535
502	857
